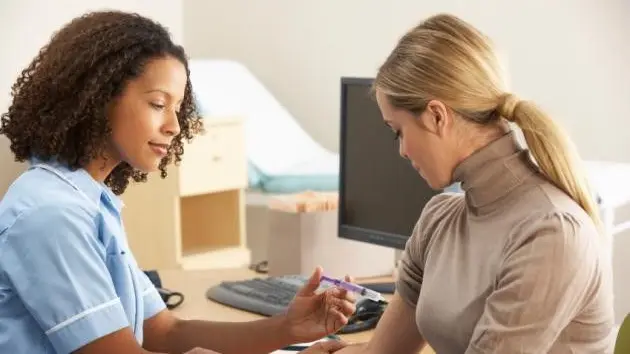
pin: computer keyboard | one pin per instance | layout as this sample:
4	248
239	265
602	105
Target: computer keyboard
264	296
272	295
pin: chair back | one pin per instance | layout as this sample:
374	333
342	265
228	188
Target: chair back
622	345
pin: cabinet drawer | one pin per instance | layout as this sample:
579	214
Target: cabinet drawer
214	161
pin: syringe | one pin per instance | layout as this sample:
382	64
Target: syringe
365	292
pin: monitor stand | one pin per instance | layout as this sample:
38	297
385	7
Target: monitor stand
383	288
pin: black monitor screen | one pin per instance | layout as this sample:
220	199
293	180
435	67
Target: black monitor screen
381	195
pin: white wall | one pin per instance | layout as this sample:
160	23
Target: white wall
569	55
26	25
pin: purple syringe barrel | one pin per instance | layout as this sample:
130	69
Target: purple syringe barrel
344	285
365	292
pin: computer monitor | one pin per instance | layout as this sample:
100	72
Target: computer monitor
381	195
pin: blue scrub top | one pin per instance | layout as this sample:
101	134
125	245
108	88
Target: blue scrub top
67	276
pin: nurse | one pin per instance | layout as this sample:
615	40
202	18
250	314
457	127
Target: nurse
108	100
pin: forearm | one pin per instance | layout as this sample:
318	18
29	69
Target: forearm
255	337
396	332
366	348
359	348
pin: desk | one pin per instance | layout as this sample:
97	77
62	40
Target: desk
194	283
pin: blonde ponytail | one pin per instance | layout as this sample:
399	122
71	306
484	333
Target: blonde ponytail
447	59
552	150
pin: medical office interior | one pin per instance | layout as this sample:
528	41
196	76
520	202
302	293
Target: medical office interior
282	85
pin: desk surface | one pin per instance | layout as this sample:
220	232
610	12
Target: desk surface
193	284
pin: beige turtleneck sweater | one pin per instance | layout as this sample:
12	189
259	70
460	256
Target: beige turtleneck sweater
513	265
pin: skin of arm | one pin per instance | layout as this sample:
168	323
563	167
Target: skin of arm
123	341
166	333
396	332
310	316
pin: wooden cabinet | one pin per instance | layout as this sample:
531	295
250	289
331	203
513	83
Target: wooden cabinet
195	218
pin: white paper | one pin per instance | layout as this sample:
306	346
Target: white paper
300	344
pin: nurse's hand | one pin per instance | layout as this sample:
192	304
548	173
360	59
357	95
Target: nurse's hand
327	347
312	315
201	351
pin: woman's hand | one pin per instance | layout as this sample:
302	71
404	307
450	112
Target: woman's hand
312	315
326	347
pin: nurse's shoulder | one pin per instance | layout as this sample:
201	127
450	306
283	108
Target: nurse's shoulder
40	193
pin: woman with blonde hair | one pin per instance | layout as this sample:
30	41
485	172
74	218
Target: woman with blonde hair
516	263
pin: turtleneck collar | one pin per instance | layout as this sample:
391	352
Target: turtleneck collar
493	171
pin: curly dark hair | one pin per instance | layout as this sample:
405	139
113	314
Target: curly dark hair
60	100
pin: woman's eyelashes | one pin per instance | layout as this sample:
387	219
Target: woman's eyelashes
157	106
160	107
396	132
